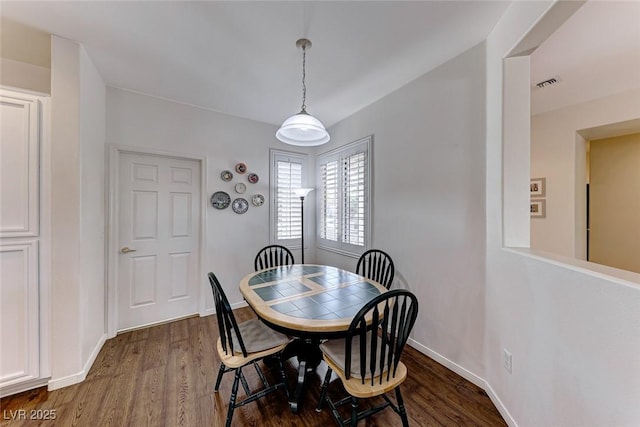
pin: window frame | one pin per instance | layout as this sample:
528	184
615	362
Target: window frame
341	154
292	157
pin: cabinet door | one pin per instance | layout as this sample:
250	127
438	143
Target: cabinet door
19	351
19	162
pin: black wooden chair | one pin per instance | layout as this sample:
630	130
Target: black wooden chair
273	256
377	265
241	344
367	361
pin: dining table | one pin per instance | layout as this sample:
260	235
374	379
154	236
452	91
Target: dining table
309	303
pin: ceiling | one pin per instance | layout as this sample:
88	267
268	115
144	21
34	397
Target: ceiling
595	53
240	58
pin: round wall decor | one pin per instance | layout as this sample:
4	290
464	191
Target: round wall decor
253	178
257	200
240	205
241	168
240	188
220	200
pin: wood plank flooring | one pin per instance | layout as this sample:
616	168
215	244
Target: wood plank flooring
164	376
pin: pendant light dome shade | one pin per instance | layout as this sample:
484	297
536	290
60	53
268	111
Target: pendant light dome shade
303	129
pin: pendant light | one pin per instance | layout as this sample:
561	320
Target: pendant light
303	129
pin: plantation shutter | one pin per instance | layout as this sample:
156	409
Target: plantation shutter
343	176
288	218
354	173
329	214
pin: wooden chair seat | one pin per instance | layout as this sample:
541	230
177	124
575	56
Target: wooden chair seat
335	351
260	341
354	386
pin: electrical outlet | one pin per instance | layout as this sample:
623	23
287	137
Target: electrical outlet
506	360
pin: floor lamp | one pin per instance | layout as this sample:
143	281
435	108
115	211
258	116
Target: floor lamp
302	193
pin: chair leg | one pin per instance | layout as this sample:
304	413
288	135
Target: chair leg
234	395
401	410
323	389
354	411
302	372
245	385
283	377
220	372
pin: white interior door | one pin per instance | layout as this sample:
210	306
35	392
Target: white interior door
159	232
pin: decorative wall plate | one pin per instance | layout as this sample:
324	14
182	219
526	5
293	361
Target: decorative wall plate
253	178
226	176
257	200
240	205
220	200
241	168
240	188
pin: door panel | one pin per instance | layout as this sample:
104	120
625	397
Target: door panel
19	315
19	164
179	275
143	280
159	218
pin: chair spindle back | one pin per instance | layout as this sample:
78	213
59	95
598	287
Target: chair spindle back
383	326
273	256
376	265
226	319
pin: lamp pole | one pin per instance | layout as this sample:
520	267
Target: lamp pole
302	193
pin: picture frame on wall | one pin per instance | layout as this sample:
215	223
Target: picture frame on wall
538	208
538	187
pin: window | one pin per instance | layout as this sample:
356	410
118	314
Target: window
288	172
343	198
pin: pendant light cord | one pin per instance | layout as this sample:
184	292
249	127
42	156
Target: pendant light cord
304	75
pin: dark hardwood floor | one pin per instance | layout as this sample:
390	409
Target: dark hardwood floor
164	376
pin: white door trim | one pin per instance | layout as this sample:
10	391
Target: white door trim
115	151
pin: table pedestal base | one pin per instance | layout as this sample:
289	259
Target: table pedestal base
309	357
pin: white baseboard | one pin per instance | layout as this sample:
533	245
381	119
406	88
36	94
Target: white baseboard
212	310
24	386
500	406
207	312
242	303
76	378
469	376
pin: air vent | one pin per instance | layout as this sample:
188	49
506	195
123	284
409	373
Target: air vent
547	83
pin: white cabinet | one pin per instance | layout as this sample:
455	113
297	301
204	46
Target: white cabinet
23	330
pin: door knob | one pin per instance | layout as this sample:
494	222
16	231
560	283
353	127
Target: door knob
126	250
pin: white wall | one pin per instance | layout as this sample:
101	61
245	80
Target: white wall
231	240
428	200
77	212
65	209
555	146
573	333
92	207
